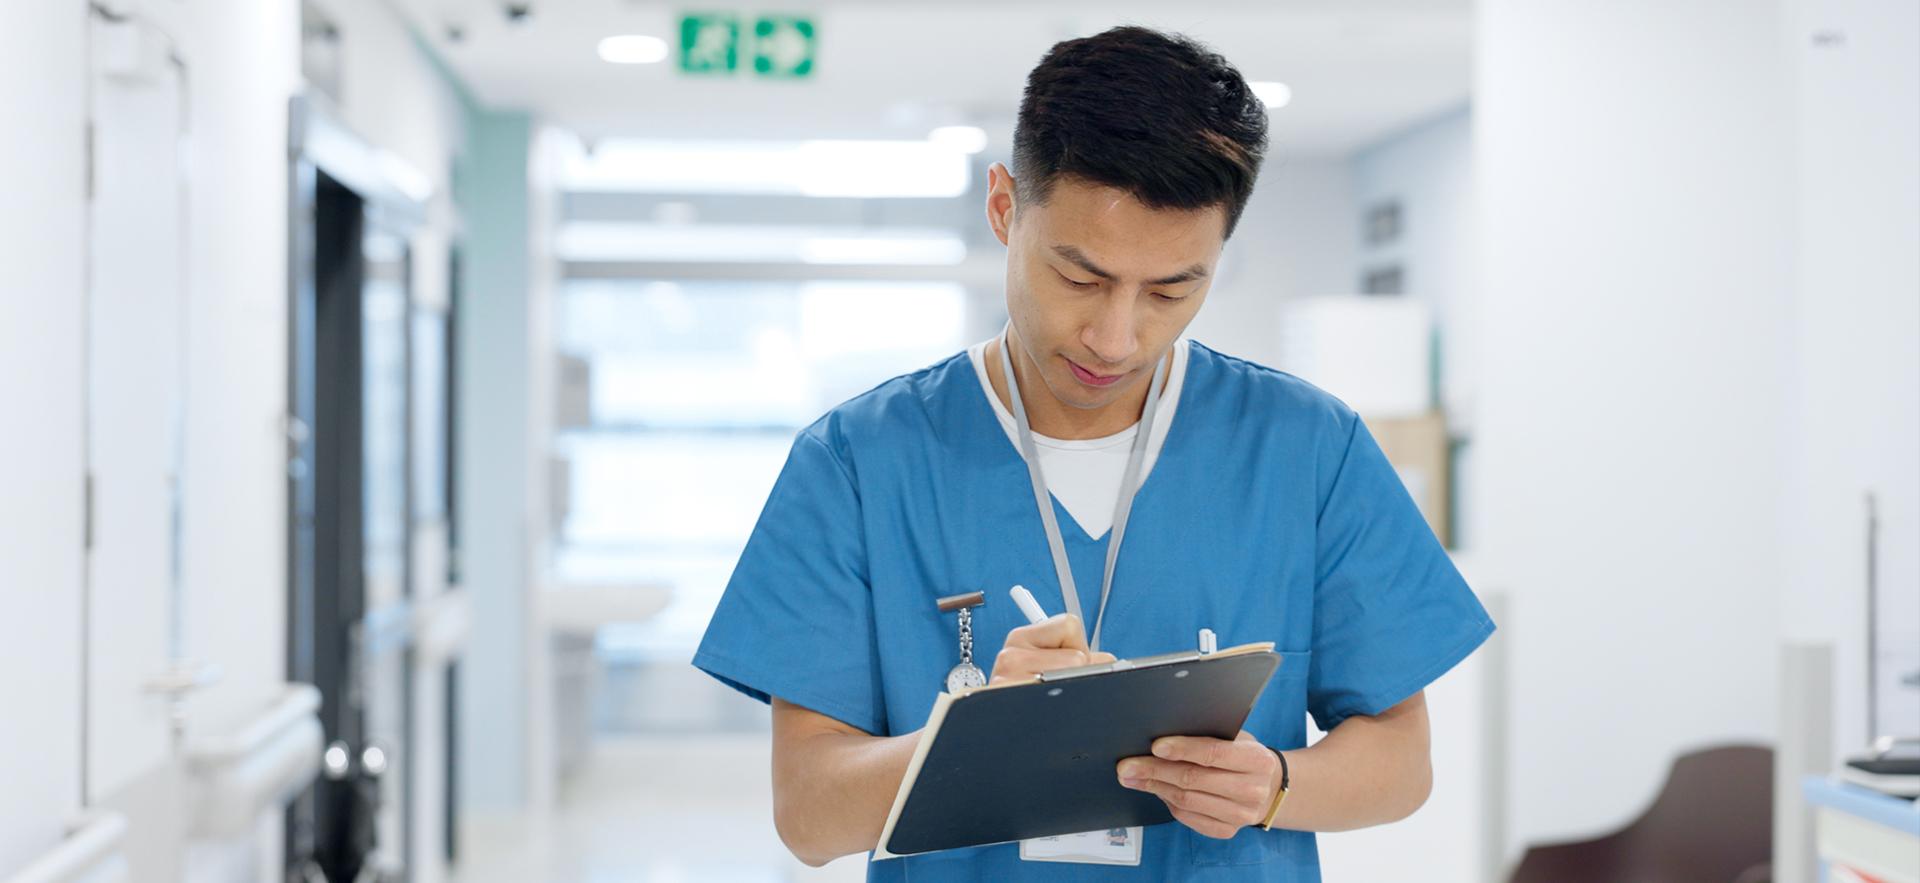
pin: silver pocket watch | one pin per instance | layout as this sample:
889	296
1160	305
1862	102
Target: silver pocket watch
966	674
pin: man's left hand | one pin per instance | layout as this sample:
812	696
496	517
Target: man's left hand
1214	786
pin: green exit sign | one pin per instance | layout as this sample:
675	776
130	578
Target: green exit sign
779	46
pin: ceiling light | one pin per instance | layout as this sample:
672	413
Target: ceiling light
937	250
1272	94
633	49
860	169
880	169
587	242
966	139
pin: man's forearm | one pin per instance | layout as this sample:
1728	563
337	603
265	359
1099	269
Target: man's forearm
833	790
1368	771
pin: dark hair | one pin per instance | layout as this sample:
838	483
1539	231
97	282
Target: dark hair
1157	115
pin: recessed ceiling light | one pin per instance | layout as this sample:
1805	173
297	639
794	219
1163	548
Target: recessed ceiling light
1272	94
966	139
633	49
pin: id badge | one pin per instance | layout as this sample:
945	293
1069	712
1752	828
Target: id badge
1112	846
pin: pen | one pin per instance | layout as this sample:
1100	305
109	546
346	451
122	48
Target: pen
1024	600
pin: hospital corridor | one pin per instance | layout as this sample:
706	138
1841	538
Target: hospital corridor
577	441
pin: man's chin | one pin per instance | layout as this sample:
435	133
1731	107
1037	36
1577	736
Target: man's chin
1086	398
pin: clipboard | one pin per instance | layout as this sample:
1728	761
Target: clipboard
1008	762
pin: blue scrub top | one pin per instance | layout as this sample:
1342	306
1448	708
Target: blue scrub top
1271	515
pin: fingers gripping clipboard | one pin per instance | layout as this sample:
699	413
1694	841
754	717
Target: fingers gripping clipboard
1008	762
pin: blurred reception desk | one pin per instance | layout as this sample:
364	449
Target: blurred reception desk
1863	836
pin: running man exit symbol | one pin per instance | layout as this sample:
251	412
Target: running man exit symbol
709	43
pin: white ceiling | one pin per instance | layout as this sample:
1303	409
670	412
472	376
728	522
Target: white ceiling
1359	70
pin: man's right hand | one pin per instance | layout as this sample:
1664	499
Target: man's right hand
1059	641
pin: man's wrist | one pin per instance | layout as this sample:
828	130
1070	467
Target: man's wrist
1278	786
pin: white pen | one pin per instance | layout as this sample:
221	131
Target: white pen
1024	600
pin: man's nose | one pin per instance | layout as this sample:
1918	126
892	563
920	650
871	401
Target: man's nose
1111	333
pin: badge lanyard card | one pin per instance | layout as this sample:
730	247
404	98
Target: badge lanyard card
1009	762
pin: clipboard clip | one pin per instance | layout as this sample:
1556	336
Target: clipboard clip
1209	644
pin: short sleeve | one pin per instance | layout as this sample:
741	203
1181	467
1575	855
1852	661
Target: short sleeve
1391	613
796	620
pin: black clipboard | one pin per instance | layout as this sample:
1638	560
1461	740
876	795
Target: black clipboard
1009	762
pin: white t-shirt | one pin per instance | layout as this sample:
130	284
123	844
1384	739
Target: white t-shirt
1084	474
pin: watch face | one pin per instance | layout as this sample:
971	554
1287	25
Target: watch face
965	675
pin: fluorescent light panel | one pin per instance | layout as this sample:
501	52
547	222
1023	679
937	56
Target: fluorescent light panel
869	169
603	241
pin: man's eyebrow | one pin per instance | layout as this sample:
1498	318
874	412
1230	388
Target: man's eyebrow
1080	260
1187	275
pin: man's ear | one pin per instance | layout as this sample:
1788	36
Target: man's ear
1000	200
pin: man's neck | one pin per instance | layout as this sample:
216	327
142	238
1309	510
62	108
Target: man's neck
1050	417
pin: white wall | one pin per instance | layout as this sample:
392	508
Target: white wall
42	97
1631	171
1296	238
1853	419
244	58
390	92
1428	169
233	506
244	66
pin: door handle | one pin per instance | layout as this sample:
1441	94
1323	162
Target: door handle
336	763
179	681
183	679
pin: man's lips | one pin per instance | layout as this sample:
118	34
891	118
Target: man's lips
1091	379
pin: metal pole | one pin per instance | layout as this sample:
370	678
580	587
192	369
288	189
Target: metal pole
1873	628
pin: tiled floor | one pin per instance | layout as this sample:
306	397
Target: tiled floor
653	810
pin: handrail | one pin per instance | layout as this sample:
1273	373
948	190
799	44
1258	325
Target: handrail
89	854
298	702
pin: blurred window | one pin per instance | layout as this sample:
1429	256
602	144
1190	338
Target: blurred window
695	391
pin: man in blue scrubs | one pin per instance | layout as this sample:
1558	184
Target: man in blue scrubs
1241	499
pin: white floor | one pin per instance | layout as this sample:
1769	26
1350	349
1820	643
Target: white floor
652	810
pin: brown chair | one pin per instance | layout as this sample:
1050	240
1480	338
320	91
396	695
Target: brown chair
1712	823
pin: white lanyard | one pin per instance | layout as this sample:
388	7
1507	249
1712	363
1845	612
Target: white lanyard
1129	485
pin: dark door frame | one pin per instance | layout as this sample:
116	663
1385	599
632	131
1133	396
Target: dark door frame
338	191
